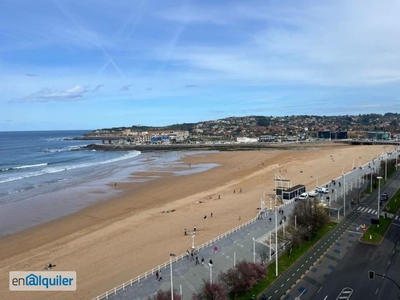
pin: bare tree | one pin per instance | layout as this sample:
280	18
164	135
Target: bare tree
165	295
243	277
211	291
310	217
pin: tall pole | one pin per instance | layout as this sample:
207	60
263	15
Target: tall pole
344	195
210	273
172	280
386	168
254	250
371	181
276	242
270	245
379	193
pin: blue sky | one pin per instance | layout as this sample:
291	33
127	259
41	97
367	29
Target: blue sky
91	64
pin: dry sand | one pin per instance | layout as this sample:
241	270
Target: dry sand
114	241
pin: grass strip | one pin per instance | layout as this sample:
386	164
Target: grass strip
285	262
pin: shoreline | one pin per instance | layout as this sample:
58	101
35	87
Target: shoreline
113	241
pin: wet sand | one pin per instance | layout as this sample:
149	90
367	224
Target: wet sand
116	240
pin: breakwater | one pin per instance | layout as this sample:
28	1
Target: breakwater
210	147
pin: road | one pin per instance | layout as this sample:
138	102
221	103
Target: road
352	271
337	267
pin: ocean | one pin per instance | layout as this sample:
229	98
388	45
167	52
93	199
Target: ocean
45	175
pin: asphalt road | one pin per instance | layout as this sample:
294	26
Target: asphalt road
352	271
337	268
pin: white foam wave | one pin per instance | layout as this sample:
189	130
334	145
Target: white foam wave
69	148
84	165
49	170
27	175
24	167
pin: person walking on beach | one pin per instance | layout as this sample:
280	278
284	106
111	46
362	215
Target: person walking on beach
191	256
185	232
202	261
194	228
187	254
211	214
157	275
197	261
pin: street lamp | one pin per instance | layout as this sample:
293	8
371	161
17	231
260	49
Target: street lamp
386	168
254	250
379	192
210	263
172	280
344	195
276	241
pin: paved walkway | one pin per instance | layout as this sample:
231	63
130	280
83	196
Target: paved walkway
188	277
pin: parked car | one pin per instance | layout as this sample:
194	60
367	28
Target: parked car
313	193
384	197
303	196
322	190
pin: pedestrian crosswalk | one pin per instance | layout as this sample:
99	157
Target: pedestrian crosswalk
373	211
367	210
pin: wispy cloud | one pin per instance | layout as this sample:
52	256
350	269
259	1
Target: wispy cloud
31	75
125	87
46	95
98	87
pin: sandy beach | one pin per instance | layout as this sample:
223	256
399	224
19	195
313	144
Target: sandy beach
118	239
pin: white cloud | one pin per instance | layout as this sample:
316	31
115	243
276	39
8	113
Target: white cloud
46	95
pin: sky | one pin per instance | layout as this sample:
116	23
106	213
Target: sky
92	64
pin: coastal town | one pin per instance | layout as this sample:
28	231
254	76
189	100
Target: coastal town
255	129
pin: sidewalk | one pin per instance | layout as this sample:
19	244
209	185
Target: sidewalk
188	277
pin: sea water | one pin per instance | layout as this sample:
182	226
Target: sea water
47	174
38	162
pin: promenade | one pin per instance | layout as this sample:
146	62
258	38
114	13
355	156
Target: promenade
188	277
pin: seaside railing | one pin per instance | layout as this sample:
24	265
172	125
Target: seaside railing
175	259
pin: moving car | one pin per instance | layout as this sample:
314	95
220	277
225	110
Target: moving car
303	196
384	196
322	190
313	193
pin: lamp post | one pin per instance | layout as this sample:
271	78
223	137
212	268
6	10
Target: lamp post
344	195
254	250
379	192
270	245
386	167
172	280
276	242
210	264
